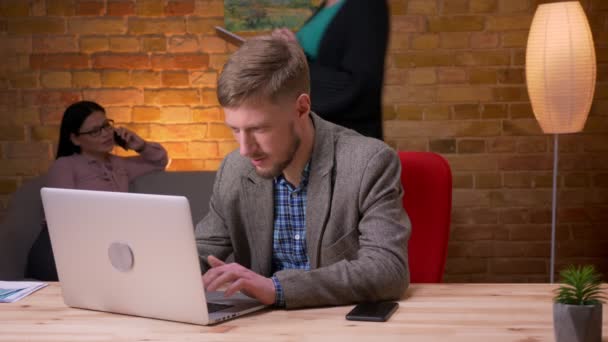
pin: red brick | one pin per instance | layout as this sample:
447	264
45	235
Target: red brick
115	97
442	145
494	111
180	61
470	249
37	25
455	6
121	61
179	7
120	8
116	79
425	41
177	114
45	133
149	8
58	79
171	97
521	127
19	150
452	75
488	180
484	40
146	114
511	76
207	114
14	9
421	7
177	132
423	59
466	265
86	79
454	40
456	23
408	23
465	198
8	186
16	44
59	61
197	25
23	80
145	78
51	97
213	45
203	78
209	98
175	79
157	26
219	131
97	26
576	180
463	94
60	7
532	144
119	114
511	22
209	8
203	149
514	216
94	8
466	111
517	266
511	6
482	6
471	146
154	44
55	44
187	43
520	198
11	133
523	163
513	39
485	58
124	44
462	181
94	44
521	111
482	76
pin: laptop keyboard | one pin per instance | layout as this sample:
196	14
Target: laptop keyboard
214	307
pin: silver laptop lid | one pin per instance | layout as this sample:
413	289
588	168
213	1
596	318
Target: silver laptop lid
126	253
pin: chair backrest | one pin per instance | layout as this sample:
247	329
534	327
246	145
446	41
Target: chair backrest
427	198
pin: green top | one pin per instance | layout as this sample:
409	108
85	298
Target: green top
311	33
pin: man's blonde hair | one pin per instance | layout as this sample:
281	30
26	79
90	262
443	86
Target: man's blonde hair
263	68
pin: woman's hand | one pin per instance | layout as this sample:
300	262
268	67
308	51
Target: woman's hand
133	141
285	34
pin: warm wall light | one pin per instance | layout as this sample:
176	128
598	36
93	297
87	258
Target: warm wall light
560	75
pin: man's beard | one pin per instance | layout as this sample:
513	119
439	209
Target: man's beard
276	169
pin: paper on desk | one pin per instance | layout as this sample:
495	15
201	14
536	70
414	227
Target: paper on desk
12	291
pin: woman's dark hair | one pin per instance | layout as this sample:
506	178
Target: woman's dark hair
73	117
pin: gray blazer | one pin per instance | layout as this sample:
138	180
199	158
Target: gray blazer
356	228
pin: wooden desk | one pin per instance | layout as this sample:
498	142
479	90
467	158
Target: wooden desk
437	312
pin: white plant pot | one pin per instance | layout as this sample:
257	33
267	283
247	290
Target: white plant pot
577	323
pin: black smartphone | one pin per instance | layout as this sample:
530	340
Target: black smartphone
120	141
373	312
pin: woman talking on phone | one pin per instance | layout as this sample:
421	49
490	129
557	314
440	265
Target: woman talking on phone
85	161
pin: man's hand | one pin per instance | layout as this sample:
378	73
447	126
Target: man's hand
240	279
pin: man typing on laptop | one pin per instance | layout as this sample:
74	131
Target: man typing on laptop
310	212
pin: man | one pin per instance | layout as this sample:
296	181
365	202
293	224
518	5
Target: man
310	211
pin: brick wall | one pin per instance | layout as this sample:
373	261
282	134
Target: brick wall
455	85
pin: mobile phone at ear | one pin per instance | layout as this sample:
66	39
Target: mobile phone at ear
373	312
120	141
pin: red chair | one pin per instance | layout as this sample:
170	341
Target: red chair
427	198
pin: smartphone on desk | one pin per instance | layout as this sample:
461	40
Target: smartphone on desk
373	312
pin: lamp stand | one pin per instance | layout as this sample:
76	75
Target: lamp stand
553	205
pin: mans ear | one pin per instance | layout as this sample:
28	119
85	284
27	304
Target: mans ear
75	139
303	104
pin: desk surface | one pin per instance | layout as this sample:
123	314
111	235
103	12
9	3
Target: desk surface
429	312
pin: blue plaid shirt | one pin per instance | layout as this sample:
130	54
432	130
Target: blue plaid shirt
289	240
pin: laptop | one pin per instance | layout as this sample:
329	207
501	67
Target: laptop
133	254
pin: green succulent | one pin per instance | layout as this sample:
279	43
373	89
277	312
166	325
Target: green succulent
580	286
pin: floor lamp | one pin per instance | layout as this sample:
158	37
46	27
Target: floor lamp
560	77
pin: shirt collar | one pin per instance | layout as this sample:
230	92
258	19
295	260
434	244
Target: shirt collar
304	179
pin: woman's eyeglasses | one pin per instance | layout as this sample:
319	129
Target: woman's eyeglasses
95	132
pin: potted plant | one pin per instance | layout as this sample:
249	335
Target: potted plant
577	311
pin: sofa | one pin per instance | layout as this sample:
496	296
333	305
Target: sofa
22	224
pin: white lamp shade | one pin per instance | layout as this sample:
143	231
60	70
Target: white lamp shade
560	67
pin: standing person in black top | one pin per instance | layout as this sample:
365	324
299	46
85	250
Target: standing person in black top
345	42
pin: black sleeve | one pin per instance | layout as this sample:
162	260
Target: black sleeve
336	87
